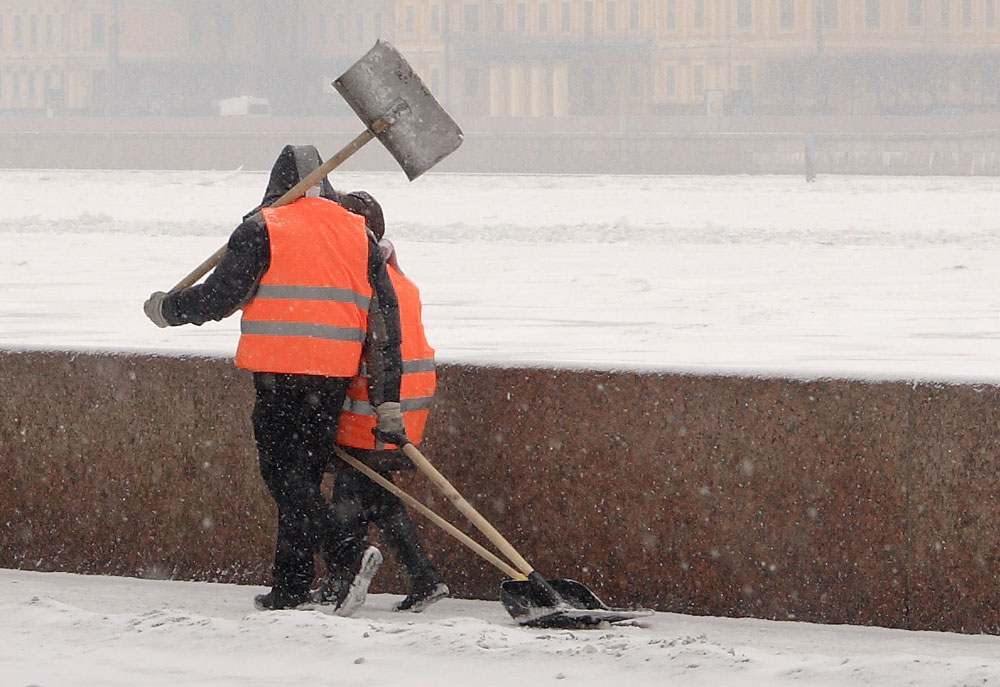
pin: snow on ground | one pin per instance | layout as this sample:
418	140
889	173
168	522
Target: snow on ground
60	629
876	277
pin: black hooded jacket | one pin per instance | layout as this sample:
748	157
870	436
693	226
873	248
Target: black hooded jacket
233	283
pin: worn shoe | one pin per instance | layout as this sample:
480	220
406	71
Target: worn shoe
357	590
278	601
331	593
423	596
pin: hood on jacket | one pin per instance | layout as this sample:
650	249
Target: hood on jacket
362	203
294	164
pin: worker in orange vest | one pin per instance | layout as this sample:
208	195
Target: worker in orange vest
316	296
360	502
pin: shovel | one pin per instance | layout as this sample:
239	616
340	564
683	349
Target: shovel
530	598
458	534
396	108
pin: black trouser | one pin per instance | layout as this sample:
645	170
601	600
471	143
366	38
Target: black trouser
295	424
360	502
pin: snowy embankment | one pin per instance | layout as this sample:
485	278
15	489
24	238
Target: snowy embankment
855	277
59	629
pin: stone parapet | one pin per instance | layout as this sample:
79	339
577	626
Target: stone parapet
838	501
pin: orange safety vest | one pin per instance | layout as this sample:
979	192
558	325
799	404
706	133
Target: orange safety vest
310	313
416	388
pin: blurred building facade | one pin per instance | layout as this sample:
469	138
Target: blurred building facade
512	59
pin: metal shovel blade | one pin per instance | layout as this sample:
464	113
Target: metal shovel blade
421	133
576	607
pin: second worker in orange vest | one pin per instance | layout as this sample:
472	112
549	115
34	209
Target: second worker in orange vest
359	501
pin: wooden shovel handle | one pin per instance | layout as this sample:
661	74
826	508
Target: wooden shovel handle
467	510
294	193
458	534
202	269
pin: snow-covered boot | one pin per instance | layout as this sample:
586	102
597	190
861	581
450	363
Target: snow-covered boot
357	590
332	592
422	596
276	600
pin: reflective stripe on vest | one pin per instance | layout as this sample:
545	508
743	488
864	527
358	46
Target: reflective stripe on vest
417	386
310	312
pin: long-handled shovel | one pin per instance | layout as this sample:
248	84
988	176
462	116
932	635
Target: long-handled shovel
458	534
531	599
396	108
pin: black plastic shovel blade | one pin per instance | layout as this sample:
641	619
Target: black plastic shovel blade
577	608
580	619
381	84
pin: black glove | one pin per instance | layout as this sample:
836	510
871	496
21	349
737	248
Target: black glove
390	428
153	307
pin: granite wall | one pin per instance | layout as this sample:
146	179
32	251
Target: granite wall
830	501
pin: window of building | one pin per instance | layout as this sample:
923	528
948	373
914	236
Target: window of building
522	17
18	41
699	14
915	13
744	77
33	31
698	79
831	14
501	18
967	13
100	84
945	13
259	33
15	87
471	13
97	36
435	20
195	32
566	21
873	14
634	81
670	81
378	24
744	14
990	11
633	15
611	16
471	83
30	82
671	15
410	22
543	18
786	15
1	32
585	91
588	19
